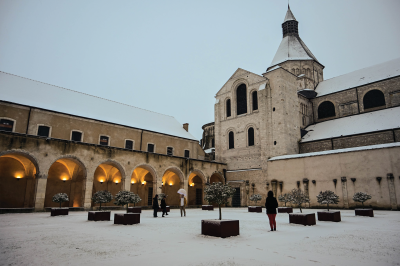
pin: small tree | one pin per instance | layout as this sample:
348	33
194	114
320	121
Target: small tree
298	197
60	198
136	199
255	197
285	198
125	197
218	193
102	196
361	197
161	196
327	197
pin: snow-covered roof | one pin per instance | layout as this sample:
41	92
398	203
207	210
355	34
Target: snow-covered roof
359	77
289	15
210	150
310	154
41	95
355	124
292	48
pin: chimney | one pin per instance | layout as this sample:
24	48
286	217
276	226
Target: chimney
186	126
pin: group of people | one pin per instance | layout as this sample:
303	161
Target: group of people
163	205
270	204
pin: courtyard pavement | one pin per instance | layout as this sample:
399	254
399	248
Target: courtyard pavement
39	239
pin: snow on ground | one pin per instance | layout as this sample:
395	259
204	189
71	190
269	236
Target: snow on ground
39	239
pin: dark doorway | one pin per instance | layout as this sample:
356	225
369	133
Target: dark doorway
236	198
199	196
150	197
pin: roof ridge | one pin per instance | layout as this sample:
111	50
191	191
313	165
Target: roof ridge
86	94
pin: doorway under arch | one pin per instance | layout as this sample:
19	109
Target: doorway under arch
143	183
107	176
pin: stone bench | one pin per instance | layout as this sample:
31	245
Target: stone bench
255	209
302	218
127	218
207	207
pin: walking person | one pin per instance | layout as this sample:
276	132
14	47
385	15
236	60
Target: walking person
271	204
164	205
182	205
155	205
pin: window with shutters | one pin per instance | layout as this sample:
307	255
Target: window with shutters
374	98
7	125
170	151
241	99
231	140
250	134
150	147
228	108
187	153
43	131
104	140
129	144
76	136
255	100
326	109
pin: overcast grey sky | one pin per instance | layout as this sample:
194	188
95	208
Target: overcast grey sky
172	57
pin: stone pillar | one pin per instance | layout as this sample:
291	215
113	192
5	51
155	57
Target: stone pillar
157	188
88	188
392	192
126	183
274	187
344	192
40	192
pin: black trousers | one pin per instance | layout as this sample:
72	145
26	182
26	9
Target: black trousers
164	211
155	212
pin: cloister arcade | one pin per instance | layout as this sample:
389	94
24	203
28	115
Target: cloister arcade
30	177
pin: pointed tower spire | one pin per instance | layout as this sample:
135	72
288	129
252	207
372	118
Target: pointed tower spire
290	24
289	15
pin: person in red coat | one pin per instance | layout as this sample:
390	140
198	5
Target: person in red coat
271	204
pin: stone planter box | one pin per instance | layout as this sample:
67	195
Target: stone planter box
302	218
127	218
255	209
329	216
56	212
207	207
220	228
168	209
99	216
134	209
285	210
365	212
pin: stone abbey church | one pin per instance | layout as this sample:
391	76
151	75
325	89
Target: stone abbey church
286	128
289	128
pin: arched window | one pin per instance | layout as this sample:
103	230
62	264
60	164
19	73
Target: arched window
231	140
250	134
212	143
228	108
255	100
374	98
326	109
241	99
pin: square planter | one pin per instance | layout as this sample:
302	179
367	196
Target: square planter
134	209
99	216
220	228
207	207
302	218
365	212
285	210
56	212
127	218
255	209
168	209
329	216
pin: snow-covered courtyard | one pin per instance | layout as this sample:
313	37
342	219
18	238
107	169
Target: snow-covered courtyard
39	239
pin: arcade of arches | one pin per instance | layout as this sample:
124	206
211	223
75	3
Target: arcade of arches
30	178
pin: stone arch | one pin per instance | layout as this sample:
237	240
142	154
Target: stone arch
72	158
27	154
170	186
326	109
197	182
117	165
18	173
144	183
251	125
177	171
374	98
199	173
149	168
217	174
241	99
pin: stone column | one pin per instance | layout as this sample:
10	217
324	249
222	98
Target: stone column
88	189
392	192
40	192
344	192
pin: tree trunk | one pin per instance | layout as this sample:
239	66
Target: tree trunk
362	204
60	204
328	206
127	208
220	216
300	208
100	207
285	203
